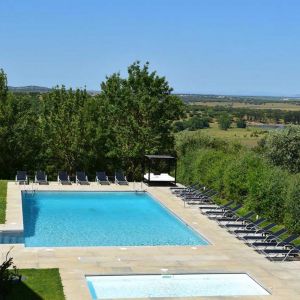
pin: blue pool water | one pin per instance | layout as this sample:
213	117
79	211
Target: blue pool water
58	219
186	285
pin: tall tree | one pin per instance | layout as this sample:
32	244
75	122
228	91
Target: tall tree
140	110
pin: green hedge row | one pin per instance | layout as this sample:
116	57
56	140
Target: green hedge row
242	175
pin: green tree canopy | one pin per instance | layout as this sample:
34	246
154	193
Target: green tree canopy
224	121
72	130
282	147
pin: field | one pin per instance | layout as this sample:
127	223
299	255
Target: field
246	136
263	105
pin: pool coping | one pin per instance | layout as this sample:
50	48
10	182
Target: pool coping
19	219
225	254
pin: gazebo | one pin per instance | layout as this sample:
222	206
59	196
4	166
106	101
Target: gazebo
151	172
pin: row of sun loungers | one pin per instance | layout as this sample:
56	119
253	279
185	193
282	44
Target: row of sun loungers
64	178
253	231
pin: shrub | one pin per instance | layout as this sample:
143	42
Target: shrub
282	148
267	186
8	274
241	175
241	123
236	176
224	121
292	205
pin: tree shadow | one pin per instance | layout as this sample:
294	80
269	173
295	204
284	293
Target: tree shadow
20	291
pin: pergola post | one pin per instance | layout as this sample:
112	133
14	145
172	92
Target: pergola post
171	162
149	170
175	170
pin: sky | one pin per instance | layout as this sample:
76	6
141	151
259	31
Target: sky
241	47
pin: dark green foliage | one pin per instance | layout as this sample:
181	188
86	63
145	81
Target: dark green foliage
241	123
72	130
194	123
241	175
282	148
3	86
224	121
292	205
8	275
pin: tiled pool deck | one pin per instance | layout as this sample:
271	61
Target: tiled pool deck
224	254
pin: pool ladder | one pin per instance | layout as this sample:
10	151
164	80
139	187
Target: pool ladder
136	189
30	189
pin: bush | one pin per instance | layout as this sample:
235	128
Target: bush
8	274
236	176
267	188
282	148
241	123
224	121
292	205
241	175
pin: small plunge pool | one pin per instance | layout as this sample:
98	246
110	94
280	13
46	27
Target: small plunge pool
185	285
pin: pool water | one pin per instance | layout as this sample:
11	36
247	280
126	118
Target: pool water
188	285
65	219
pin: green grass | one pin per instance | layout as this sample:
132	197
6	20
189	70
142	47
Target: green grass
268	105
3	189
38	284
246	136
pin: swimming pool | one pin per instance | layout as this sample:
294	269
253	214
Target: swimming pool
66	219
185	285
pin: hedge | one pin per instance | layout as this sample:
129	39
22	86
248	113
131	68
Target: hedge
242	175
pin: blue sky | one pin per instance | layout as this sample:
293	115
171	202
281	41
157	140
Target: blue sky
201	46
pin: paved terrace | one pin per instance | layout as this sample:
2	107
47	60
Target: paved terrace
225	254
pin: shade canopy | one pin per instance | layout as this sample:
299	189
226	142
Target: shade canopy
151	162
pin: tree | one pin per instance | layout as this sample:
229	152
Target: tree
64	138
139	112
241	123
72	130
224	121
3	86
282	147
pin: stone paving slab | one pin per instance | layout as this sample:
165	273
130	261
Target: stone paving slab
224	254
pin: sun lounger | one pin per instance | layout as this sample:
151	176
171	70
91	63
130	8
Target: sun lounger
199	196
235	220
120	178
40	177
204	210
102	178
278	243
249	226
269	236
181	189
224	213
81	178
63	178
252	234
221	210
21	177
282	254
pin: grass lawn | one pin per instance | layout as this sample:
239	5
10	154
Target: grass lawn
38	284
246	136
3	189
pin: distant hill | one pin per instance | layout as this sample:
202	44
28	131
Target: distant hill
39	89
29	89
234	98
